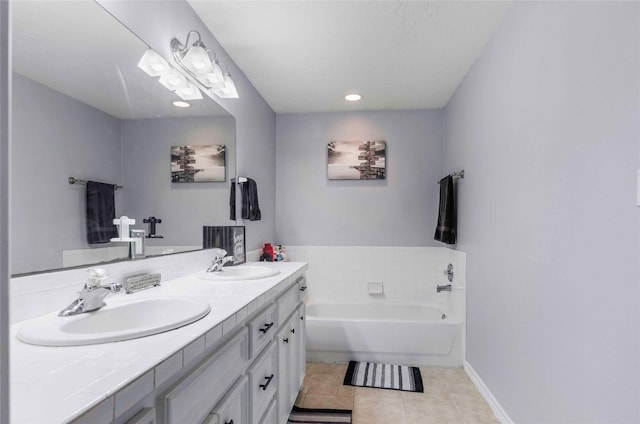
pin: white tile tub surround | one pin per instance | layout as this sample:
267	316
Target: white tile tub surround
340	274
55	385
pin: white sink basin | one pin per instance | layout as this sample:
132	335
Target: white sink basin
238	273
121	319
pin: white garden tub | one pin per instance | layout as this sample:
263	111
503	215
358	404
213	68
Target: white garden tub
391	333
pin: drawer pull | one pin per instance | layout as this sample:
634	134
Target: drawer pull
303	288
286	340
266	328
265	385
228	422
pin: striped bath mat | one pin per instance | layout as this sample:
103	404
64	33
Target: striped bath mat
384	376
319	416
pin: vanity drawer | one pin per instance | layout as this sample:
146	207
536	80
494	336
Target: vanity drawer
196	395
234	408
261	330
287	303
262	383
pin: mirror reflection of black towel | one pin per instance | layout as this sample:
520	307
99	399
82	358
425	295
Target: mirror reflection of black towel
101	211
232	202
250	206
446	229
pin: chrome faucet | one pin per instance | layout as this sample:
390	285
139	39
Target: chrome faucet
219	260
440	288
92	294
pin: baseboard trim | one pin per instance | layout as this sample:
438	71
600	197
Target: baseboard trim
500	413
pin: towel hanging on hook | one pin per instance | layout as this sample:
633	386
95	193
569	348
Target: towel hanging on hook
459	174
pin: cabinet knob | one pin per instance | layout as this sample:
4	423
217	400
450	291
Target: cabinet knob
293	330
266	328
228	422
286	340
303	288
265	385
302	318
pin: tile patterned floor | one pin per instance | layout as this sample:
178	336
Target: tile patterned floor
449	398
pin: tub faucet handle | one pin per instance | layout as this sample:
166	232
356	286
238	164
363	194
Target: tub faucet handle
440	288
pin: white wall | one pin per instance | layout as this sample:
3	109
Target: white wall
55	137
183	208
546	125
398	211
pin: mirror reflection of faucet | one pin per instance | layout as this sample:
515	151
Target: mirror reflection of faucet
219	259
123	224
152	221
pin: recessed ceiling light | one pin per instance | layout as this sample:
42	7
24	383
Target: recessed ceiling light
352	97
180	103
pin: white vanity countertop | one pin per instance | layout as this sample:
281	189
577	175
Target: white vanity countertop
58	384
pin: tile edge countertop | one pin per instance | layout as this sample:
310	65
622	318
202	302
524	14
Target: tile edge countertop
60	384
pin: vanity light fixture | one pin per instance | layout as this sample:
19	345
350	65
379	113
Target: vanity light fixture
154	65
352	97
190	92
196	61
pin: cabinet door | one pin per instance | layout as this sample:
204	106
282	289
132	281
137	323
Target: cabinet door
270	417
302	343
283	342
195	396
294	366
263	382
234	408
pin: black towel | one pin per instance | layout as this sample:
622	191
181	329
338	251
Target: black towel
250	206
100	211
232	202
446	229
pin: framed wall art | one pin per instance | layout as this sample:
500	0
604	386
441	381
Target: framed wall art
357	160
196	164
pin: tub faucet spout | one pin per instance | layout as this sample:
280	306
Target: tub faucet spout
440	288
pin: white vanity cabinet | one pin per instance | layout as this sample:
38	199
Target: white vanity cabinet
246	369
253	378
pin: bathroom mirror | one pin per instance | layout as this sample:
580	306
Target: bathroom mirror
81	108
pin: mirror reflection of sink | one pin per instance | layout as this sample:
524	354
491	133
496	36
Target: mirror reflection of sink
238	273
119	320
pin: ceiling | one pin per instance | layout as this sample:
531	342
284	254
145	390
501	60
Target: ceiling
304	56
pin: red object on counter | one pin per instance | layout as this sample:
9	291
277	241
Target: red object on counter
268	248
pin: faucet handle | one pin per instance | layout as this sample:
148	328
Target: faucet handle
219	254
96	276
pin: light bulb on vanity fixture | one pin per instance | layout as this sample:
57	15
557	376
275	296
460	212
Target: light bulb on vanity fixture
197	62
155	65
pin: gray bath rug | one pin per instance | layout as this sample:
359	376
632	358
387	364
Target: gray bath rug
319	416
384	376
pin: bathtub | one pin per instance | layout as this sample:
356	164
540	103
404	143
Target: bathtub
390	333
